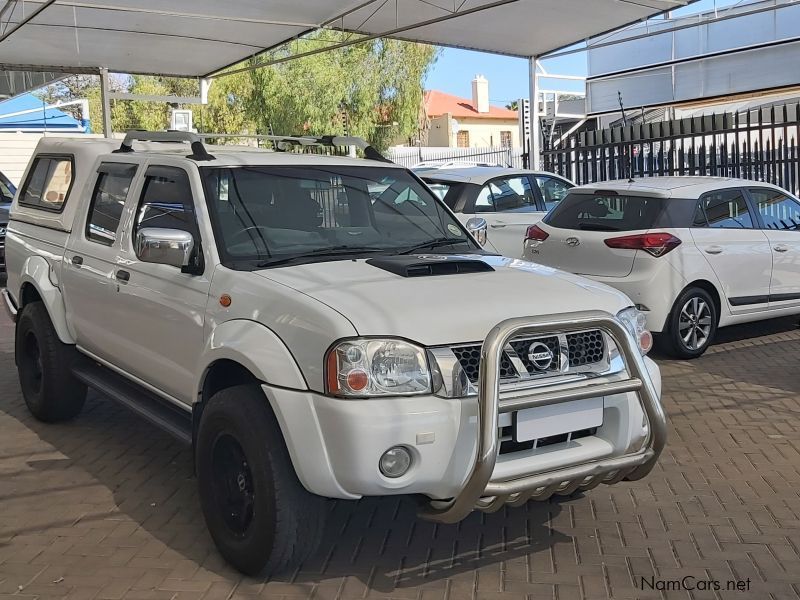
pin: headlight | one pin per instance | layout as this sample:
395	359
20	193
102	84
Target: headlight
635	322
368	367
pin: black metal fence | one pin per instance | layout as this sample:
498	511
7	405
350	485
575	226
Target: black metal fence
759	144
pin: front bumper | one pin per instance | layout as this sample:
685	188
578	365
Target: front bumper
336	444
9	305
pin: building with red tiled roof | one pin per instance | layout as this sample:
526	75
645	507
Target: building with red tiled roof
469	123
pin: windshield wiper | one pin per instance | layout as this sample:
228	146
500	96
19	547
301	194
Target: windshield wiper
434	243
320	252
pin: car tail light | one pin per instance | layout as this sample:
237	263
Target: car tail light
535	232
655	244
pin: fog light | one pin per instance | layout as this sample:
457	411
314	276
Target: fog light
395	462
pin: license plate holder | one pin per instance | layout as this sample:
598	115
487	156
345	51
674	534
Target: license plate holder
556	419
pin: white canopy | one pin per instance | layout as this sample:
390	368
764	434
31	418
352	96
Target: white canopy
198	37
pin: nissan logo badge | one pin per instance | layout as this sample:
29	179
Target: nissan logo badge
540	355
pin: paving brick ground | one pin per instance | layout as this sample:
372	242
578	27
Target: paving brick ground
105	507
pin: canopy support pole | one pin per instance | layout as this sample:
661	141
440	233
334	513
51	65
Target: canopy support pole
106	102
535	143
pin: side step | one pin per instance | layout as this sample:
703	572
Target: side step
172	419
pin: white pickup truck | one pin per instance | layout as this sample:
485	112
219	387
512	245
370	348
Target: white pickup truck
317	327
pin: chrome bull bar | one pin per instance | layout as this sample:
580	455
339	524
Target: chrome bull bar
480	491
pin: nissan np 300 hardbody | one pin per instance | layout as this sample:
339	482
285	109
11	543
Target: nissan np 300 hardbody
317	327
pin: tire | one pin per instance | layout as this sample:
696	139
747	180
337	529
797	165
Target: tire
260	516
44	364
691	325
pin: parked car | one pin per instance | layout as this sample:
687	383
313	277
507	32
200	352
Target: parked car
693	253
312	341
434	165
510	200
7	191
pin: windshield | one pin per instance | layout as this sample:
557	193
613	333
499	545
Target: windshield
6	190
265	215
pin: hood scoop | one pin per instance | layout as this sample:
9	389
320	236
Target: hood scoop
427	265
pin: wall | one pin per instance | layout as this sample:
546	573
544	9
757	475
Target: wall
439	133
16	150
486	132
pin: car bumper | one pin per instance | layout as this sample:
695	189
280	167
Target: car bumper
336	444
652	290
9	305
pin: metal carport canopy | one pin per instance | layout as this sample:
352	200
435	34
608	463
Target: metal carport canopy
196	38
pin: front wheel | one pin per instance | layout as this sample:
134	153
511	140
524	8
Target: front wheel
260	516
692	324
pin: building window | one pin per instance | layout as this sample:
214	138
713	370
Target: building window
462	139
505	139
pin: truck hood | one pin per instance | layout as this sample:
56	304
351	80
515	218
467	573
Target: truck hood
444	309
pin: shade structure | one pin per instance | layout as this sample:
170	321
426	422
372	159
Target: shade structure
195	38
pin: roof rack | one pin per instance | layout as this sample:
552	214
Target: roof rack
282	142
285	142
199	151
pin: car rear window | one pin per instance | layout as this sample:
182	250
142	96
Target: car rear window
48	184
619	212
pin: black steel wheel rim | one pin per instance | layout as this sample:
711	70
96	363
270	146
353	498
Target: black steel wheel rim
232	480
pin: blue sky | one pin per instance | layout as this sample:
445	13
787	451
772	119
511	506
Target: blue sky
508	77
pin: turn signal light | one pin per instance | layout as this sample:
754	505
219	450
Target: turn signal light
535	232
655	244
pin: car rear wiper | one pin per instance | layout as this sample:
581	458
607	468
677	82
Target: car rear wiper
434	243
320	252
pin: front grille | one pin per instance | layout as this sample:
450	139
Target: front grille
586	347
470	359
583	350
521	348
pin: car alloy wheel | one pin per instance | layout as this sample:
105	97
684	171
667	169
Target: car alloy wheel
695	323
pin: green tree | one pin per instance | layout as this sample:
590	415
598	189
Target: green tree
371	89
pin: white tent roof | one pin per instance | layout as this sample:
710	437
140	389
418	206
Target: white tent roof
199	37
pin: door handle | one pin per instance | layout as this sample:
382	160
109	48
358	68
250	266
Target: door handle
497	225
713	250
780	248
77	260
123	275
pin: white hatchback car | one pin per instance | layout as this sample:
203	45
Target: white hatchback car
693	253
509	200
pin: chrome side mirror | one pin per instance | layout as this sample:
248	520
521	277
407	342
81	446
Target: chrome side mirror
478	228
164	246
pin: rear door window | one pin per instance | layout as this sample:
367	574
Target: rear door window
507	194
553	190
48	184
724	209
607	212
778	211
108	201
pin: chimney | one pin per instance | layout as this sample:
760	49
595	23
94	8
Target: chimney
480	94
